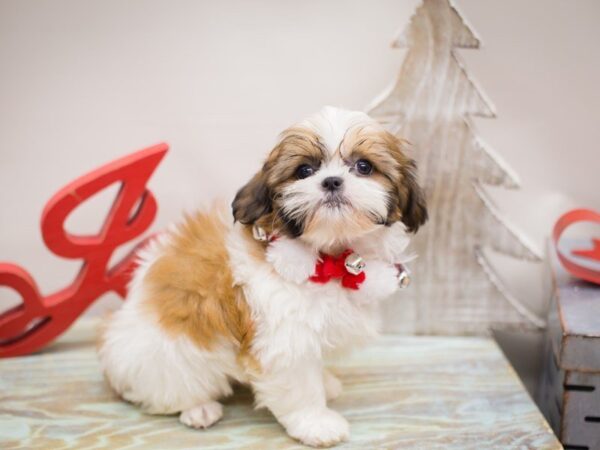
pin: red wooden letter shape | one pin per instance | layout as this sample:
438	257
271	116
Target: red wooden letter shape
40	319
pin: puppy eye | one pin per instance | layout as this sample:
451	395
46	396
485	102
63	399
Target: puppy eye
304	171
364	167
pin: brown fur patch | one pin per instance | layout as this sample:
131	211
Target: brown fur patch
393	169
298	145
190	287
258	201
382	149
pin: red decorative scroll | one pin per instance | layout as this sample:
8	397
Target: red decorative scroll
574	268
40	319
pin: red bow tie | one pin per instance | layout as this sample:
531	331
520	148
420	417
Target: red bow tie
329	267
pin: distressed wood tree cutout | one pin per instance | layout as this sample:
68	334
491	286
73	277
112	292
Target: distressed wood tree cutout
455	288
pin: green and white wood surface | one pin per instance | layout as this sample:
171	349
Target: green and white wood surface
401	392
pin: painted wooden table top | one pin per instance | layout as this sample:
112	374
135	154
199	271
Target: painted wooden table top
400	392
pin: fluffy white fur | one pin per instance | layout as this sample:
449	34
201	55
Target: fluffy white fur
303	197
297	323
291	259
331	124
364	195
162	374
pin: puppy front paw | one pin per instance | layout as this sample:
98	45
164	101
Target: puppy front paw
322	427
202	416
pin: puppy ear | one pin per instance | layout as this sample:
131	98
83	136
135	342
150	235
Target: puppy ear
252	201
412	205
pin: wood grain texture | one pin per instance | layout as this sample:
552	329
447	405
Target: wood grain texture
569	389
455	290
401	392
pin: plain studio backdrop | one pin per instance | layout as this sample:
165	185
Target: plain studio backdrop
84	82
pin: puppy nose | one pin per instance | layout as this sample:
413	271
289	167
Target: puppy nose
332	183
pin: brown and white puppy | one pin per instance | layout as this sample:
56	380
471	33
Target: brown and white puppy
255	299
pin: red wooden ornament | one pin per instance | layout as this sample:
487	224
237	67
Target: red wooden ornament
593	254
40	319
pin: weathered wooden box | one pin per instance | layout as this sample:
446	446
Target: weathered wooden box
569	393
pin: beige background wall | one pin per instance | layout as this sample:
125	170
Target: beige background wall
83	82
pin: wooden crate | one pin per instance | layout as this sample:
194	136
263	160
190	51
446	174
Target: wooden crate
569	393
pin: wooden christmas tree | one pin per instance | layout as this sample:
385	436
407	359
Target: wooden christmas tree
455	289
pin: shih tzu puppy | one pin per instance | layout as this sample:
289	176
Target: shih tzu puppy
317	238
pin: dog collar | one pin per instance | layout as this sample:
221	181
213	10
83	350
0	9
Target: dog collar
347	267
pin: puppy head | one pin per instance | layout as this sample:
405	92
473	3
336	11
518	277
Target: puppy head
333	178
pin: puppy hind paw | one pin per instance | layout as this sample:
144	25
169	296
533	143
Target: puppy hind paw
202	416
